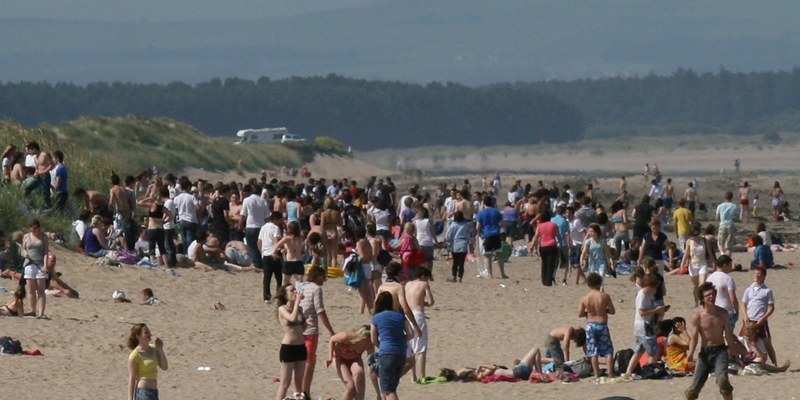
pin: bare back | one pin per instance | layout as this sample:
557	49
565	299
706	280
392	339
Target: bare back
596	306
417	292
398	294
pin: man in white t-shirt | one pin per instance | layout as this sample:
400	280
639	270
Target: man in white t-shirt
268	236
253	217
726	288
186	211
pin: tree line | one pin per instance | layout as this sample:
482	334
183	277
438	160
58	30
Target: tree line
686	101
361	113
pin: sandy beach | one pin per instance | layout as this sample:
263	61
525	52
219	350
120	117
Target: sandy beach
478	321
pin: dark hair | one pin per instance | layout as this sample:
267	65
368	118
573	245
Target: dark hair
315	272
650	281
147	292
544	216
579	336
384	302
393	268
458	216
58	155
724	259
704	287
594	280
293	227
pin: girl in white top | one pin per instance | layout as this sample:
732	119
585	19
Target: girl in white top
698	257
425	234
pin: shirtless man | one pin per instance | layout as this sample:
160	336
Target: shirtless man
710	323
669	195
364	251
291	245
95	202
119	202
393	286
596	306
556	344
690	195
419	295
43	164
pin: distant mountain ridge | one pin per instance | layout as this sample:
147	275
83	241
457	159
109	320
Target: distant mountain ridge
468	41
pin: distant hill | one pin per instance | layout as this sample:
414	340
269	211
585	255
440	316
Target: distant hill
466	41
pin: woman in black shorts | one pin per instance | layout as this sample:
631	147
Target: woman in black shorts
293	350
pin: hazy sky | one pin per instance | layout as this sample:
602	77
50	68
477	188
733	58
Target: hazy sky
167	10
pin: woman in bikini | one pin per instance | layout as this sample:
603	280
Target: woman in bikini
292	246
744	202
344	351
34	249
619	217
331	221
157	214
15	307
293	352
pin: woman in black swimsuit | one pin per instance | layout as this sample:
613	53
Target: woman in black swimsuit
15	307
157	214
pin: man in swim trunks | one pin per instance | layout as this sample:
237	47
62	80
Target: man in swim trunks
419	295
596	306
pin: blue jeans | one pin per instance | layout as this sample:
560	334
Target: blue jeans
390	367
146	394
251	235
188	231
43	183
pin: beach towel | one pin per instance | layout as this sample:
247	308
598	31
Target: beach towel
498	378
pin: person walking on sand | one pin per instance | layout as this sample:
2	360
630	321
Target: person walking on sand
744	202
419	295
691	197
711	329
35	249
253	216
545	243
596	306
143	363
726	214
389	332
43	163
488	226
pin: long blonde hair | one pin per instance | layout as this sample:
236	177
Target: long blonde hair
358	334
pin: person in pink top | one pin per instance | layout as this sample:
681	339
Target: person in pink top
545	242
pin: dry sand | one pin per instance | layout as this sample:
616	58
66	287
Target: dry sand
472	323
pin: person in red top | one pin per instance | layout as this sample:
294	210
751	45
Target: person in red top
546	240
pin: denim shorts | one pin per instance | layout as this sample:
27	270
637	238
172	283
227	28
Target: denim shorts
646	344
390	367
146	394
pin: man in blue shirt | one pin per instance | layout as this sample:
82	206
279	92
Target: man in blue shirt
566	241
726	213
488	225
60	183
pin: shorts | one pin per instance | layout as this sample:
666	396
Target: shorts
390	367
668	203
491	244
311	343
698	269
744	202
598	340
725	236
34	271
552	349
646	344
238	257
522	371
419	344
575	254
293	353
366	268
293	268
146	394
563	257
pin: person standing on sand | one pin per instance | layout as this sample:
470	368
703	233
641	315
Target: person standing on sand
419	295
744	202
60	191
253	217
293	353
710	324
314	312
268	237
758	304
186	209
488	226
143	364
683	223
596	306
691	197
545	243
726	214
389	332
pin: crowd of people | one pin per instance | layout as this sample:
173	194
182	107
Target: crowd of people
279	227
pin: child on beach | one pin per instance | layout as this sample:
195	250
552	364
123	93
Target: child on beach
344	352
596	306
147	298
678	343
762	256
644	323
553	349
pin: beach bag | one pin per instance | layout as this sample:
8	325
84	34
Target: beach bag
413	257
127	257
621	360
10	346
353	273
654	371
582	368
438	227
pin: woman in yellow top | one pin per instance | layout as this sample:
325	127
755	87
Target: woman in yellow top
678	344
143	364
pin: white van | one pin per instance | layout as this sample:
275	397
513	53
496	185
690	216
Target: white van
267	135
